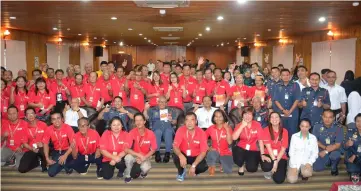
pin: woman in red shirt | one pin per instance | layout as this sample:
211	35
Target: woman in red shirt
249	133
239	93
19	96
42	99
4	100
259	90
175	93
273	158
155	89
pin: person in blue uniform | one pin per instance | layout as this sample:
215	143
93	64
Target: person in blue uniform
314	100
352	146
329	136
272	83
286	98
260	113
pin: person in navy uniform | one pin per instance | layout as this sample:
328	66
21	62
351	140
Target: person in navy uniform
352	146
314	100
260	113
272	83
329	136
286	98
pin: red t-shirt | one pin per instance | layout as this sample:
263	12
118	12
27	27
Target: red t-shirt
260	92
61	138
188	144
165	78
89	144
118	89
210	85
152	89
219	139
35	134
114	145
242	94
49	83
249	136
69	81
136	97
276	145
145	143
45	98
56	89
92	93
4	104
85	78
104	90
16	133
21	102
220	88
77	92
176	97
200	90
189	85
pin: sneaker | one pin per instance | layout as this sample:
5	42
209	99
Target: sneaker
334	173
268	175
127	180
166	157
120	174
10	162
99	174
143	175
157	157
180	178
68	172
87	166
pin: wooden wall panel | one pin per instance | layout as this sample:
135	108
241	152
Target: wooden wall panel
221	56
144	53
74	54
131	50
191	54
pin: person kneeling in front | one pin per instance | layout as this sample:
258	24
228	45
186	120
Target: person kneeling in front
85	149
144	146
303	153
190	147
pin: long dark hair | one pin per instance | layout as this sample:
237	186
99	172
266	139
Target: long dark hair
349	75
116	118
270	127
36	87
170	78
16	87
160	79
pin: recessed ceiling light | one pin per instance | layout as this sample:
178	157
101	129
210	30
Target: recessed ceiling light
355	4
12	18
282	29
208	28
79	34
196	38
149	40
113	18
269	30
241	1
140	34
68	29
222	44
162	11
170	35
130	29
227	42
55	29
235	41
258	35
114	42
321	19
121	43
106	40
244	38
145	38
200	34
220	18
95	38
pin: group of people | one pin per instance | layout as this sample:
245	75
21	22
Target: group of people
289	125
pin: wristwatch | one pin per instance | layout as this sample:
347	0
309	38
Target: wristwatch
193	166
326	151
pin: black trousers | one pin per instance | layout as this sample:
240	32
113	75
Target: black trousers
280	175
201	167
108	170
30	160
101	127
251	158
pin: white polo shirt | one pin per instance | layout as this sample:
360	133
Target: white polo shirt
301	85
204	117
337	96
302	151
71	117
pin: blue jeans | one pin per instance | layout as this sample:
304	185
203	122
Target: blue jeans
56	167
332	158
167	133
80	165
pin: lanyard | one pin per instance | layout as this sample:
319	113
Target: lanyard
36	131
248	135
92	90
113	142
21	97
57	138
220	137
189	141
141	140
85	146
77	90
120	86
217	86
42	95
13	132
175	90
276	140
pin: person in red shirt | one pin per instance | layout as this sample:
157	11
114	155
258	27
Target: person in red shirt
221	136
12	132
19	96
137	91
30	85
50	72
175	93
8	77
88	69
210	83
113	146
32	143
144	70
69	79
61	135
239	93
190	147
118	85
249	133
200	89
259	90
85	149
273	157
165	75
144	147
41	99
189	83
4	100
156	89
106	91
77	91
220	90
60	90
92	93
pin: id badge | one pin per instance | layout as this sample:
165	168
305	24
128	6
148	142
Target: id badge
35	146
175	100
120	94
188	152
359	149
248	147
115	153
258	119
86	158
135	96
12	142
59	97
328	141
315	103
275	152
197	98
91	99
22	107
286	96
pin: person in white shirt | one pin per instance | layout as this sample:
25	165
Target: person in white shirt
151	66
255	70
354	107
338	96
205	113
72	113
303	153
302	77
323	81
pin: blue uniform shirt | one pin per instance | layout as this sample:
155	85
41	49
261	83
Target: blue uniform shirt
328	136
154	118
355	136
311	96
286	95
261	116
113	112
271	84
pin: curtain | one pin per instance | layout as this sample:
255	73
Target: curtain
86	56
321	56
256	55
15	55
283	55
57	56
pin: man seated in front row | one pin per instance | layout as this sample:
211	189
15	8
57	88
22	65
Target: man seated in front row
190	147
85	149
72	113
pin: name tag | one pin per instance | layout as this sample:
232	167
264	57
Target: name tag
315	103
135	96
197	98
35	146
286	96
22	107
188	153
275	152
258	119
115	153
175	100
120	94
91	99
248	147
359	149
328	141
12	142
86	158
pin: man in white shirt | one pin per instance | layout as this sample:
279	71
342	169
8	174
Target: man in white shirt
205	113
150	66
302	74
338	96
72	113
323	81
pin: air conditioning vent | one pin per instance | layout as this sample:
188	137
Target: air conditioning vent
170	38
168	29
170	43
159	4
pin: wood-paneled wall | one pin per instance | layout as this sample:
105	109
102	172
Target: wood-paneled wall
221	56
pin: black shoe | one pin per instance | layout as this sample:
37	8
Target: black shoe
334	173
157	157
68	172
99	174
166	157
240	173
44	169
143	175
120	174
